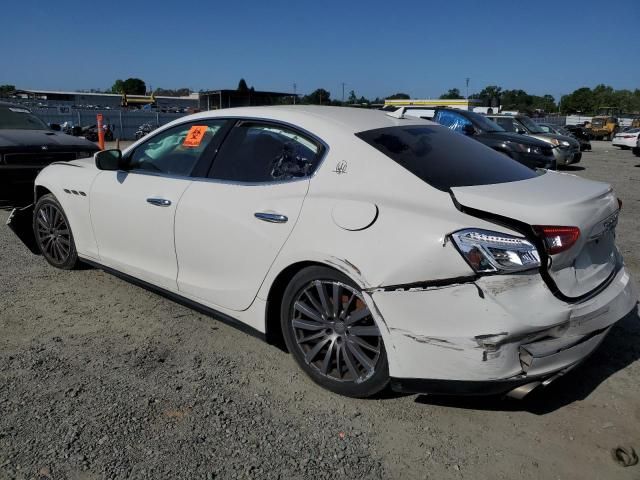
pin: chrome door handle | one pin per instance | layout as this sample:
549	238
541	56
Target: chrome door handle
271	217
159	202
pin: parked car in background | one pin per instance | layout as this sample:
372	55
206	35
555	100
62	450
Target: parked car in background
626	140
527	150
565	149
550	128
469	273
27	144
581	134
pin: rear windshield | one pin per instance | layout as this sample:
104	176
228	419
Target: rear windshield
443	158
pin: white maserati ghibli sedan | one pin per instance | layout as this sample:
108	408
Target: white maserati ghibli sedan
380	250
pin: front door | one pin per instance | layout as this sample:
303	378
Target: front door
133	210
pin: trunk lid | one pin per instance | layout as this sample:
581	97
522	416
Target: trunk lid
558	199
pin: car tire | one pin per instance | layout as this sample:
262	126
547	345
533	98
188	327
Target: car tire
53	234
331	333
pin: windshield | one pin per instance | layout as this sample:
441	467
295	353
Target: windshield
530	125
15	117
443	158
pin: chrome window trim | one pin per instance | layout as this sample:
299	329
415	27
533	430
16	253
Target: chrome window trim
323	157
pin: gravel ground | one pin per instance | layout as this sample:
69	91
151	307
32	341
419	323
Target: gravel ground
102	379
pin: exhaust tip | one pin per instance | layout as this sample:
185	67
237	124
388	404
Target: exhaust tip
523	390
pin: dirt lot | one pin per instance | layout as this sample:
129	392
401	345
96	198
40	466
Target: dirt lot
102	379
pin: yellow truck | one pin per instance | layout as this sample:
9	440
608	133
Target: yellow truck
605	124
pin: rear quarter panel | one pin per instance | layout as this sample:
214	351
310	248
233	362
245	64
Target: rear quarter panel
405	244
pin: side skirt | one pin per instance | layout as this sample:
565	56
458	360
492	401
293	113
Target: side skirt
222	317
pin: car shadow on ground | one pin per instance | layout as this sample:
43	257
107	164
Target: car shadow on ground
571	168
619	349
10	199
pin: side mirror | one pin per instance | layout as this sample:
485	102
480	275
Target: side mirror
468	129
520	131
108	160
55	127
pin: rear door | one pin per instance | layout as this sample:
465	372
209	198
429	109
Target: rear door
557	199
230	227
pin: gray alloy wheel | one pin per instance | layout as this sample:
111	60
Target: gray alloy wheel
332	334
53	235
335	331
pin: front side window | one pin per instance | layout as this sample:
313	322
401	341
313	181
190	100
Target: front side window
444	159
530	125
257	152
176	150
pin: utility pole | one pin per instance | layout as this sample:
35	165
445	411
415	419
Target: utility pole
294	92
467	81
343	84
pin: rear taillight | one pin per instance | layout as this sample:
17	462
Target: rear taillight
495	252
557	239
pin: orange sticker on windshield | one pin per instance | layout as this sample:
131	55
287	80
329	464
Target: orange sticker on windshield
194	136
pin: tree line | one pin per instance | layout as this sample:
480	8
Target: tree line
584	100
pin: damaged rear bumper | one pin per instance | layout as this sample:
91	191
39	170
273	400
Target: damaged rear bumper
492	334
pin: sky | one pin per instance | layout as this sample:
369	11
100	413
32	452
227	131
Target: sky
375	48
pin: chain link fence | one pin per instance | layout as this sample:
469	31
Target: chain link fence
124	123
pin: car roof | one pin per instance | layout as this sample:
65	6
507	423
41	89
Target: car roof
314	117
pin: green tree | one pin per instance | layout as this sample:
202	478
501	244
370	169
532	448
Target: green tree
581	100
118	86
317	97
242	86
6	90
398	96
130	86
490	96
452	94
352	97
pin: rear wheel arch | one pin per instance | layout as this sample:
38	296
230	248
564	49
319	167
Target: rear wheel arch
273	329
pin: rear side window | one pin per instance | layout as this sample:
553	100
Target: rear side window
507	123
256	152
445	159
452	120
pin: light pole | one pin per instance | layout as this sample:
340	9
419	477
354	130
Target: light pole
467	81
294	92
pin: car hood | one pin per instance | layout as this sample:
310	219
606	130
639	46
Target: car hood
15	138
572	141
516	138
